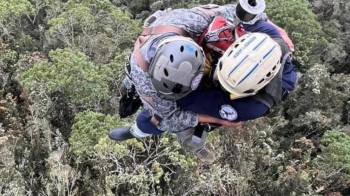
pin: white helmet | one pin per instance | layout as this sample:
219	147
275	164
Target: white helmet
249	64
177	67
253	6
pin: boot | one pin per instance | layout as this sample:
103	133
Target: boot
120	134
205	155
198	148
125	133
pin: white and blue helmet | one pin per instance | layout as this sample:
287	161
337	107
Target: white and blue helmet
249	64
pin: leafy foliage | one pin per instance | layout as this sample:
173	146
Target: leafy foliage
335	21
89	128
11	181
61	63
14	8
73	74
335	151
320	99
94	27
301	23
12	28
141	166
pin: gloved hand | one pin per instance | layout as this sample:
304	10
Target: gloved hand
129	102
201	129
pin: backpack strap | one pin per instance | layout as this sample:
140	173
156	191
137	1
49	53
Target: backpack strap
239	31
146	34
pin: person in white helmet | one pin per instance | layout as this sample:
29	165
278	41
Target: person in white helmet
254	74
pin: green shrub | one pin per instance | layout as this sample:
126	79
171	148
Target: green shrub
147	166
97	28
331	167
14	8
336	151
8	59
297	18
13	24
335	22
11	180
318	102
89	128
72	73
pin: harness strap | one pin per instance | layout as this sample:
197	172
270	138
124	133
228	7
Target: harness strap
239	31
146	34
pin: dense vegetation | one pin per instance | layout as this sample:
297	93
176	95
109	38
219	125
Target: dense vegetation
61	63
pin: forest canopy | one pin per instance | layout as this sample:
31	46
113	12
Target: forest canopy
61	66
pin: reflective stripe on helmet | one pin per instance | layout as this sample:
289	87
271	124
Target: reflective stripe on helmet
238	64
254	68
260	44
250	72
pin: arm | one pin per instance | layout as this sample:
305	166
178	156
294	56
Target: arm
263	26
172	118
167	110
214	101
289	76
271	29
205	119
